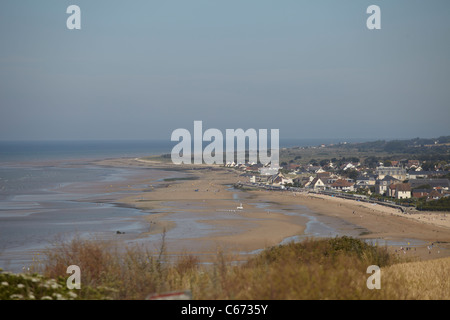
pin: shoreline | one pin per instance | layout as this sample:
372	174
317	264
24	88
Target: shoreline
195	207
254	228
210	204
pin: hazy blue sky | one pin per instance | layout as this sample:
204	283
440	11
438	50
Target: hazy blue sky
140	69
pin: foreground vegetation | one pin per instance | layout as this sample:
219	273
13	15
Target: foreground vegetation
313	269
442	204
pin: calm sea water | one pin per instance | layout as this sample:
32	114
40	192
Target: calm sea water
25	151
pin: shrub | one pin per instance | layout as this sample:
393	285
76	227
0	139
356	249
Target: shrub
312	269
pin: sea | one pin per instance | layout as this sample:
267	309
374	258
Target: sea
36	208
26	151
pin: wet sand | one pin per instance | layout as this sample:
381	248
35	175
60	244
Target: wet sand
201	215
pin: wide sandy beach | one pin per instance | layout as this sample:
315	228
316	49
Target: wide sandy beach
198	211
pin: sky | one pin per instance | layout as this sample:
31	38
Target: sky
140	69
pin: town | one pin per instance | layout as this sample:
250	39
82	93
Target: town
403	182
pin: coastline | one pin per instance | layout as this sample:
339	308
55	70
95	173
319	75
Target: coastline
267	218
200	216
196	210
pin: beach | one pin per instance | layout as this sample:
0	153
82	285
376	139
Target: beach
199	215
195	210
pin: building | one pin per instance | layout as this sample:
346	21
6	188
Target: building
279	179
365	182
395	172
418	174
382	185
324	176
342	185
413	164
314	169
403	191
434	195
400	191
443	184
419	193
317	184
425	174
268	171
348	166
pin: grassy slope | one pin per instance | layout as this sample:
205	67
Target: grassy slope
314	269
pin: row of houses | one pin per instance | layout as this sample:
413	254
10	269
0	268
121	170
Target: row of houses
388	181
413	166
437	188
327	181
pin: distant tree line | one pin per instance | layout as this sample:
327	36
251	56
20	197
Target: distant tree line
414	146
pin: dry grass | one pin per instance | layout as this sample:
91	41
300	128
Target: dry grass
130	273
421	280
314	269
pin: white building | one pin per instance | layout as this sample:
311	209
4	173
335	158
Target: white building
268	171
